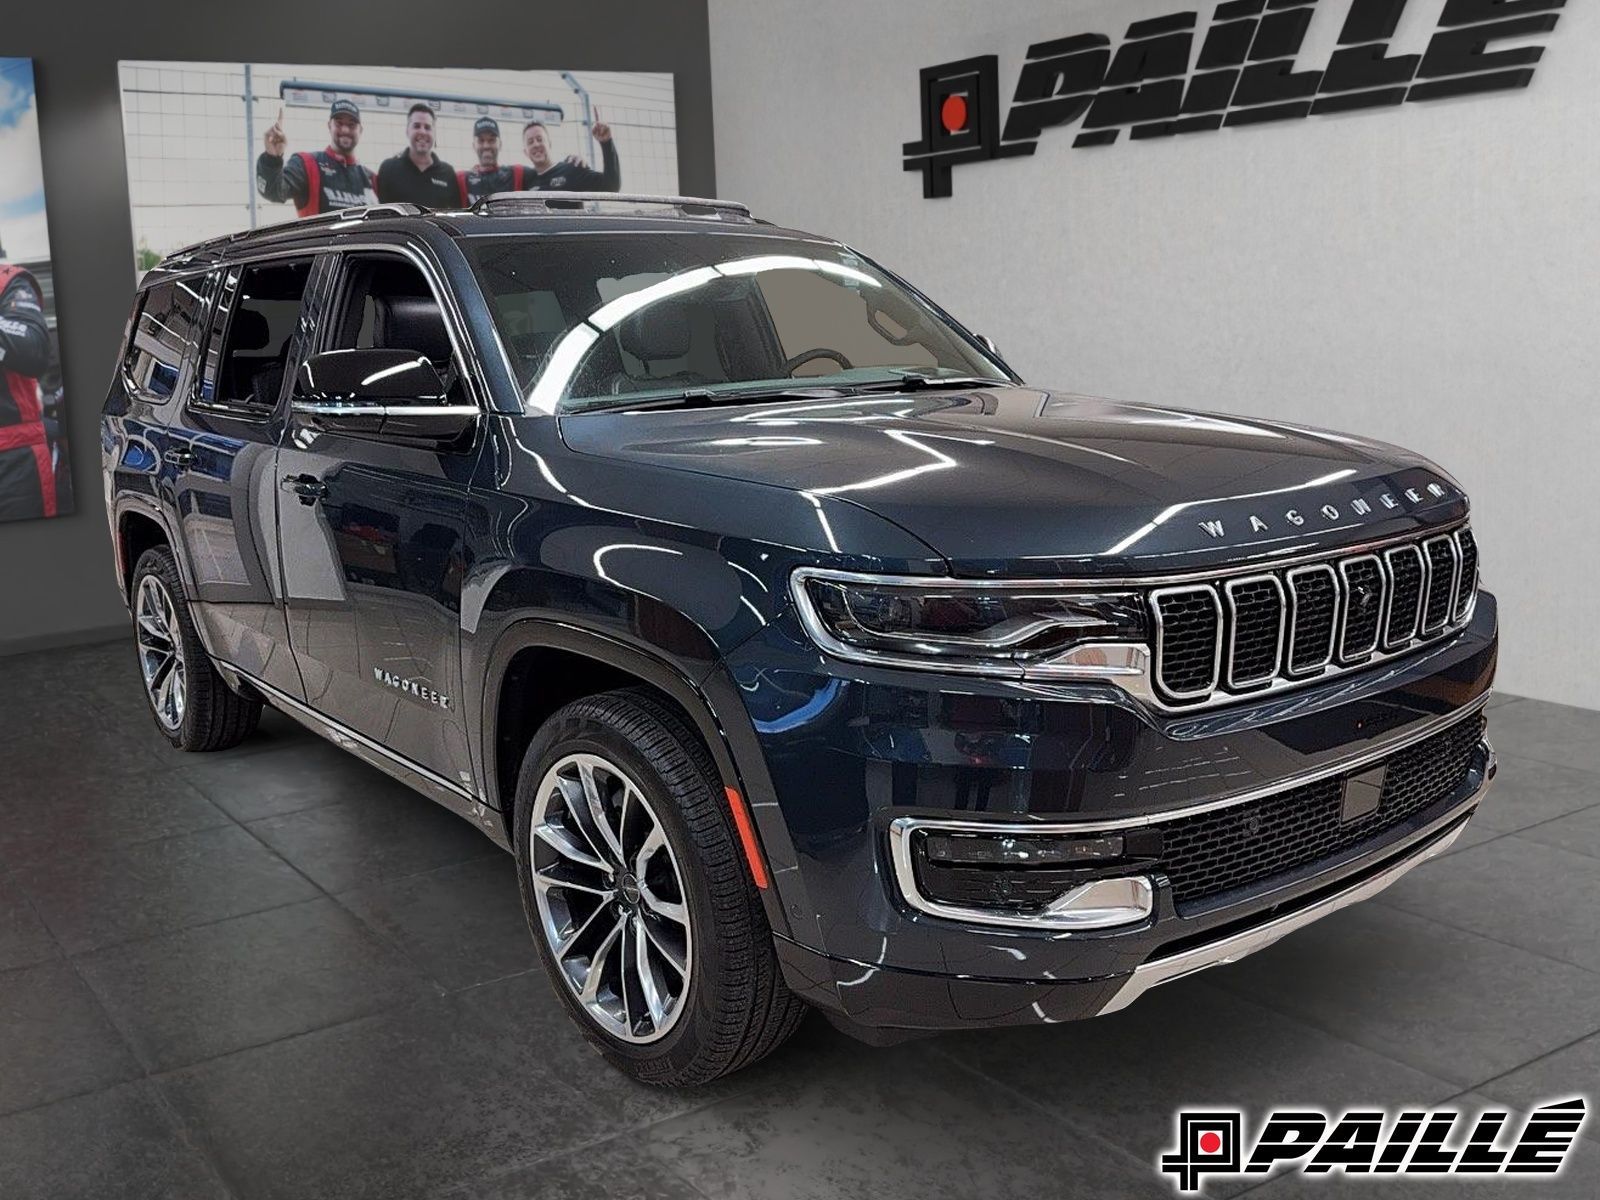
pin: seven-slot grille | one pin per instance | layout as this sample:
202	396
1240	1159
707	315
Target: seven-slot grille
1248	633
1228	848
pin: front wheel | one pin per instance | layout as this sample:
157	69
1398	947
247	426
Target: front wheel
644	912
193	708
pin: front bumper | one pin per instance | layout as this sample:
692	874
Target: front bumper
843	753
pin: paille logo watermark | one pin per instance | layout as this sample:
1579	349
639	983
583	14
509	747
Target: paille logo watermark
1375	1141
1166	80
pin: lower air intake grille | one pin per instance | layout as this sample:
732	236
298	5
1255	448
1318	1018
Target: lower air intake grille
1236	847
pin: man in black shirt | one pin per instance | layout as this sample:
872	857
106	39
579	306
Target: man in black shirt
573	177
489	177
418	174
322	180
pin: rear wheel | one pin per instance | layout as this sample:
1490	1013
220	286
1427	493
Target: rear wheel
641	904
192	706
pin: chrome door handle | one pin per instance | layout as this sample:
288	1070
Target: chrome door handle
178	456
309	488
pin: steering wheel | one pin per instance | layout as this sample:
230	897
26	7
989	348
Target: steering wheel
800	360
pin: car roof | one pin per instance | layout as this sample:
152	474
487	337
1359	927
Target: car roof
507	214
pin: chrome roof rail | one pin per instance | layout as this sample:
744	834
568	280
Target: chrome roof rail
561	203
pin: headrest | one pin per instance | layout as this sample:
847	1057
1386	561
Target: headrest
656	332
250	330
413	323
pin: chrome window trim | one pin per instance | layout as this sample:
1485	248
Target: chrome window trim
1158	629
332	408
1314	668
1228	587
1427	591
1414	630
1346	658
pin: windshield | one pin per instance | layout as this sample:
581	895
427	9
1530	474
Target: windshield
596	320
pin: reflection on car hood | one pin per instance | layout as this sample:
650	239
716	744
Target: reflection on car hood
1018	481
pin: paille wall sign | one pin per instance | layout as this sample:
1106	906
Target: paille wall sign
1245	74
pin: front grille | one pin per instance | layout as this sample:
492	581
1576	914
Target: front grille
1215	641
1244	844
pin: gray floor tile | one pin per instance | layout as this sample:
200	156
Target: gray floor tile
102	810
54	758
406	1103
462	924
23	938
1553	733
108	896
305	773
1571	1071
1449	1003
1185	1045
1527	791
56	1041
1578	832
1474	834
366	839
844	1120
199	993
119	1142
616	1168
527	1008
1500	699
1538	897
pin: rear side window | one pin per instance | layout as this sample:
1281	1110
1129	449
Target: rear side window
252	335
163	335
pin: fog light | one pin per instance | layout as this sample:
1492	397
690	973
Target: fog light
980	850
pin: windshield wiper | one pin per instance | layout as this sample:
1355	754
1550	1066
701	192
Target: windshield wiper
912	381
694	397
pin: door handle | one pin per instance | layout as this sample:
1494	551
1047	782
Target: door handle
178	456
309	488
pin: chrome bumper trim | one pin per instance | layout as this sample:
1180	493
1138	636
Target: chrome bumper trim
1233	948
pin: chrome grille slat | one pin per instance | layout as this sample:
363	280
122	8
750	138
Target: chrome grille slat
1252	633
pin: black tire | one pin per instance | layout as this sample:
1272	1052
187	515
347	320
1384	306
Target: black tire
736	1008
214	716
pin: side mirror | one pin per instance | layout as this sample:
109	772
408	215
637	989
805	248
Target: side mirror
389	394
988	344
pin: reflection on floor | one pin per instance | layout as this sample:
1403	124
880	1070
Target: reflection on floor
273	972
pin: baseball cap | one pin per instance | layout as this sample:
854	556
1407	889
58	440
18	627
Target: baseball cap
486	125
344	108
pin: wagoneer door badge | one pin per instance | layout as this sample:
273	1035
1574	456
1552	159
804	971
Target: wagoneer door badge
411	687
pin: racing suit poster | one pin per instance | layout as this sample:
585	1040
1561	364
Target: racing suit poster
34	476
215	148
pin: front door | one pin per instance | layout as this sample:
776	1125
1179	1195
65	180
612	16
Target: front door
372	536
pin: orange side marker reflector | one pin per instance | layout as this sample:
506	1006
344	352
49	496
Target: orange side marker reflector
747	836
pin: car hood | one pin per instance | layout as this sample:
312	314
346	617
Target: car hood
1019	481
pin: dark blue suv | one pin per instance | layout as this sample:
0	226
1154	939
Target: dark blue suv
801	654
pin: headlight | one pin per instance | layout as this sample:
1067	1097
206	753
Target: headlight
982	628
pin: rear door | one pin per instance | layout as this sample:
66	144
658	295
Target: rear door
373	536
223	446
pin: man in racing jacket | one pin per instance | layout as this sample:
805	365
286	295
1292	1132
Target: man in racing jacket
27	478
569	175
322	180
489	176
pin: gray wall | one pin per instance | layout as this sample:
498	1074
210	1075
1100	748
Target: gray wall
1424	274
56	582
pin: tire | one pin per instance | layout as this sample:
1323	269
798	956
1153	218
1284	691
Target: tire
734	1007
208	714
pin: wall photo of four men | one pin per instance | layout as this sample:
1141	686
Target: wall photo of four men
214	148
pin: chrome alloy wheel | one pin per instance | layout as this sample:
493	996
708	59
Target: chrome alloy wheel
611	898
160	651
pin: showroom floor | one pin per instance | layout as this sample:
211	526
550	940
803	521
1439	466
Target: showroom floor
273	972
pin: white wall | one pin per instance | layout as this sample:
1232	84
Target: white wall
1427	274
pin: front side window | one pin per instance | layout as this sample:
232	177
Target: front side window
163	335
605	320
384	303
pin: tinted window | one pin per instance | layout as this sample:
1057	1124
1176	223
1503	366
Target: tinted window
591	318
163	334
252	338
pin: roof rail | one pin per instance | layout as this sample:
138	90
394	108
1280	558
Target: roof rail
338	216
565	203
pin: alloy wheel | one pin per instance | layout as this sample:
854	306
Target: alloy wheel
160	652
611	898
